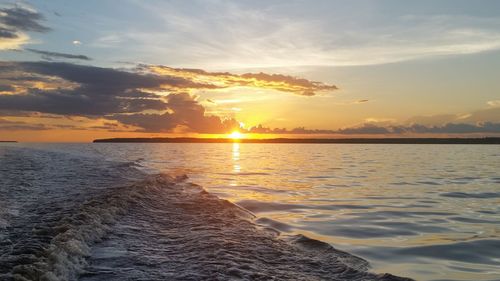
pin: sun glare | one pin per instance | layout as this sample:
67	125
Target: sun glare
235	135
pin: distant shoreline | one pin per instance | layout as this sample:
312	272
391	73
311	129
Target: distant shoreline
487	140
7	141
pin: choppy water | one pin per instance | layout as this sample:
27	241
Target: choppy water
430	212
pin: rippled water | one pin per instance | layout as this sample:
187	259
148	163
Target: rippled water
430	212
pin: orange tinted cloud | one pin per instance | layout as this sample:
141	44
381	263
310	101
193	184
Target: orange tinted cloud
17	81
278	82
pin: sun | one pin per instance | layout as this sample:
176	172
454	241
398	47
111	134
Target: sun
235	135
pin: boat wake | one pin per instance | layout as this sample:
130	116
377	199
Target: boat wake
159	228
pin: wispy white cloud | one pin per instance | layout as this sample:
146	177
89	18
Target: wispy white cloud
494	103
110	41
230	35
491	114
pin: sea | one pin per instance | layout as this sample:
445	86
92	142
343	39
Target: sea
242	211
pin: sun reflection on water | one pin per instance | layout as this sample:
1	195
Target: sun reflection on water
236	162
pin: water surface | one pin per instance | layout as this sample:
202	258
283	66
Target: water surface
430	212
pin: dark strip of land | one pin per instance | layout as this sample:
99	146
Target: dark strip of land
488	140
7	141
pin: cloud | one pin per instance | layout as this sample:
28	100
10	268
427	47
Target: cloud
461	128
278	82
369	129
494	103
7	33
491	114
15	125
6	88
76	42
93	91
449	128
8	42
160	102
149	101
7	125
22	18
51	55
287	83
388	130
240	35
430	120
106	79
150	98
15	21
184	112
481	116
15	113
76	103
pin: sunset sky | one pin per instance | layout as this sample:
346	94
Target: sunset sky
80	70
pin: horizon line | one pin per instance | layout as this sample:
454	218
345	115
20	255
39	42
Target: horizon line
390	140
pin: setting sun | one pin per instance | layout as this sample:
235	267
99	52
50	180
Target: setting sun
236	135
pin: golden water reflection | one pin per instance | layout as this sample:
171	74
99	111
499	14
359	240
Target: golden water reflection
236	162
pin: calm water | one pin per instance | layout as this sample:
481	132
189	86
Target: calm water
430	212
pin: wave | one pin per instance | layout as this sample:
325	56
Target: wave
481	195
165	228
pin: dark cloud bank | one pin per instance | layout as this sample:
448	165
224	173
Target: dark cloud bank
111	94
131	98
51	55
16	19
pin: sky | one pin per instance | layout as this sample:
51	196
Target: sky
81	70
